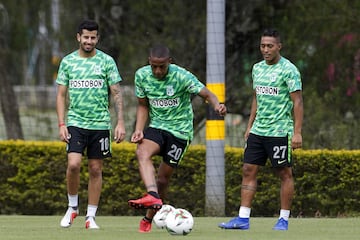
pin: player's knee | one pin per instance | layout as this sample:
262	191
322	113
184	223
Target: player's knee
95	171
286	177
249	171
285	174
73	168
142	155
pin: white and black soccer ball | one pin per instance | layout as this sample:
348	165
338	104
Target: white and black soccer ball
179	222
160	216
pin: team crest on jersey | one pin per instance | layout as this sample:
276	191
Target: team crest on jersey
97	69
273	77
169	90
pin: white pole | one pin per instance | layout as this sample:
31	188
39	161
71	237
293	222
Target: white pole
215	126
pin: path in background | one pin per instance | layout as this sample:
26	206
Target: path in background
39	121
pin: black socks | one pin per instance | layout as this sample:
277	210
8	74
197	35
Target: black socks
154	194
147	219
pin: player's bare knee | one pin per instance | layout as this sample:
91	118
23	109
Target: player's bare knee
95	171
285	174
248	171
142	155
73	168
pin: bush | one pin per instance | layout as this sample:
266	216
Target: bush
32	181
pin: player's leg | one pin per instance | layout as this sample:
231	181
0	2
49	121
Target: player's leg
95	181
74	155
248	190
94	191
98	148
281	160
164	174
248	184
72	183
73	173
151	201
287	187
173	152
286	197
254	157
146	149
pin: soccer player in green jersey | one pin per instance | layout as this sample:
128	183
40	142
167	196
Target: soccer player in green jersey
164	97
274	128
87	75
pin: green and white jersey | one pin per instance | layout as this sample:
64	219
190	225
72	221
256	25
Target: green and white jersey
170	106
88	81
273	85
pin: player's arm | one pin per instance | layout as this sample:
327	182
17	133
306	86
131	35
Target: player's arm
297	100
252	116
119	133
142	114
60	111
210	97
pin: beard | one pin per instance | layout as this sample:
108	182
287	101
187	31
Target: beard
87	48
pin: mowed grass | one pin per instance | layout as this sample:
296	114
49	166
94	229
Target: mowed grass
205	228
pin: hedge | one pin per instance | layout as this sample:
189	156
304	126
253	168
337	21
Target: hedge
32	181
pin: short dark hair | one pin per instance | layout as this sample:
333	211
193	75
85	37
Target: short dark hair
159	51
270	32
89	25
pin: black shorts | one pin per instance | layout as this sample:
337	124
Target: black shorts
96	142
259	148
172	149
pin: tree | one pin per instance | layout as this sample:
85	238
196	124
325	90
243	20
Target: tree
322	39
8	100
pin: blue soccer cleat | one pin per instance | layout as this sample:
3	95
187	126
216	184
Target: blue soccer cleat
236	223
281	225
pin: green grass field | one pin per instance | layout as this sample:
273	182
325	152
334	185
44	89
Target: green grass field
205	228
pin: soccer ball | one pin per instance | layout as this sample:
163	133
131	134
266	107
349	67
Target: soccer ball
160	216
179	222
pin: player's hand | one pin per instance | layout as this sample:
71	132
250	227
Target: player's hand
64	134
137	136
296	141
246	134
120	133
221	109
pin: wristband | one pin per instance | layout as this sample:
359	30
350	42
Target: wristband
61	124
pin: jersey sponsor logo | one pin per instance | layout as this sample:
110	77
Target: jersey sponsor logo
267	90
86	83
164	102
